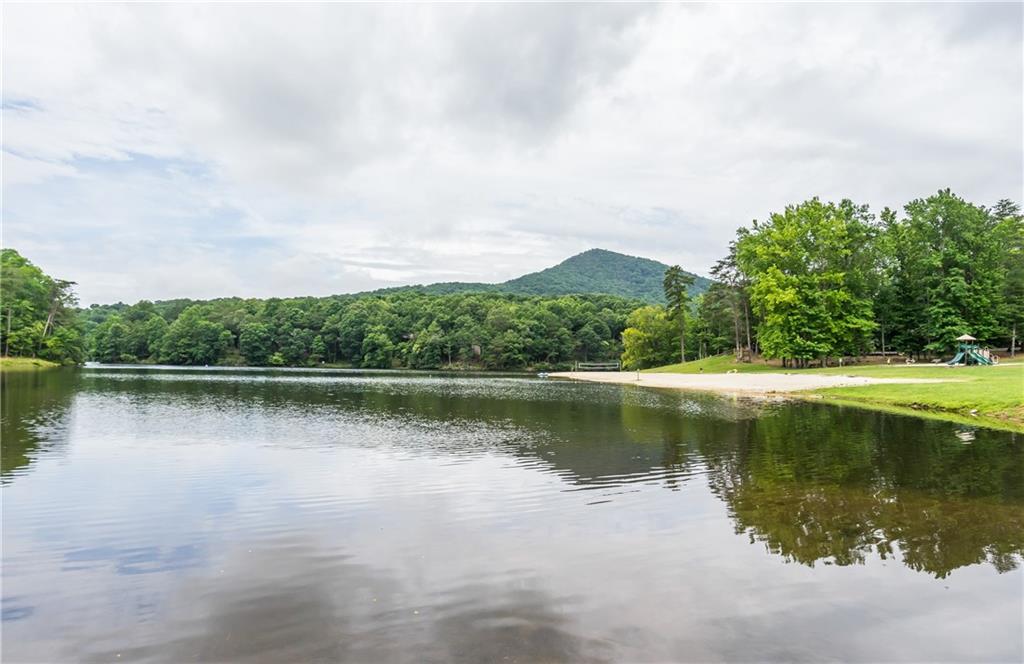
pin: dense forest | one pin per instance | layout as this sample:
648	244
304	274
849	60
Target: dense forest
820	281
405	329
815	282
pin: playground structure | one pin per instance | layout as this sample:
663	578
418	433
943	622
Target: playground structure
969	352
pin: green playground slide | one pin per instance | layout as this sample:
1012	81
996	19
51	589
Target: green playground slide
971	355
980	359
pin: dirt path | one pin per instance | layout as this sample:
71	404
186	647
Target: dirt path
737	383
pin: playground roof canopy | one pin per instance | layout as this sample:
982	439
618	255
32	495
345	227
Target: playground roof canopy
965	337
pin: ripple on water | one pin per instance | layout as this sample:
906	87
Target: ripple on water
291	516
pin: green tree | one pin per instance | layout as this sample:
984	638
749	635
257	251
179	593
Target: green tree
677	284
64	344
1010	229
811	272
734	288
38	312
465	337
591	338
377	348
507	350
949	273
151	333
111	341
191	339
649	338
429	347
255	343
295	344
319	349
717	324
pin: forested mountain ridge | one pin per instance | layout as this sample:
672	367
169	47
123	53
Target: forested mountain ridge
597	271
602	271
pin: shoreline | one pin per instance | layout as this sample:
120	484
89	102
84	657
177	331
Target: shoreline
17	364
891	394
755	384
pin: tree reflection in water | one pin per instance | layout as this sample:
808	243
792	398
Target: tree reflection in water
33	409
817	485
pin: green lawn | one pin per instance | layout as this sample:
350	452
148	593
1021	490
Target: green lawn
25	364
994	394
715	364
990	392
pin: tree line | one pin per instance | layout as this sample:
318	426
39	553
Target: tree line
402	329
405	329
820	281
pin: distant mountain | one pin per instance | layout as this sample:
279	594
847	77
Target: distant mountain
593	271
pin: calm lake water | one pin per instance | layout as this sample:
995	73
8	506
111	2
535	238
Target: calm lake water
182	515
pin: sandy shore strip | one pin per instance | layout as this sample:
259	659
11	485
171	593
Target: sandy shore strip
737	383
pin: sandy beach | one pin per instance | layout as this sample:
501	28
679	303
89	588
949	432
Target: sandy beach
737	383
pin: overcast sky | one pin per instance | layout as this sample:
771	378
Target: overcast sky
157	151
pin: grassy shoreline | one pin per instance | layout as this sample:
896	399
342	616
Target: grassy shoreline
922	412
25	364
987	396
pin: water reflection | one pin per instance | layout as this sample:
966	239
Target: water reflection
873	483
303	606
815	483
141	560
289	516
33	407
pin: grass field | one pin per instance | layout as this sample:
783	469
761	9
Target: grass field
985	392
25	364
715	364
995	394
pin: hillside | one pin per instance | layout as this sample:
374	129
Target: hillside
593	271
600	271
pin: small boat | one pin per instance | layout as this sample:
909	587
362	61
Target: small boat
542	374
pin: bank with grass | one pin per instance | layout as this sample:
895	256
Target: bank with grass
992	394
986	395
25	364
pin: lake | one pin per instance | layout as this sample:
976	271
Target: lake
159	514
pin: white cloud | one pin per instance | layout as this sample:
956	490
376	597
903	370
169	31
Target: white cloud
278	150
